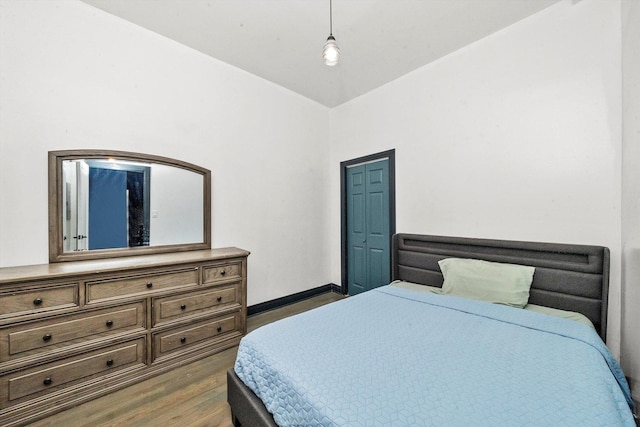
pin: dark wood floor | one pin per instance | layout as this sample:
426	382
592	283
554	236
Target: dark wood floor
193	395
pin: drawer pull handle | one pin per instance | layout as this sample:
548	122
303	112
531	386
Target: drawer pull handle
183	340
219	299
37	301
149	285
110	362
183	307
47	381
109	323
223	272
47	337
219	329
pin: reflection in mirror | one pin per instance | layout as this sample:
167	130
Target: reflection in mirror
105	205
117	204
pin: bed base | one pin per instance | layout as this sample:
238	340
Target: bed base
247	409
567	277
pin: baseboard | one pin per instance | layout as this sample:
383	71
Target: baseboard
336	289
290	299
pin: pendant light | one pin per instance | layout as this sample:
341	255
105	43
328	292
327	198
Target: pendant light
331	51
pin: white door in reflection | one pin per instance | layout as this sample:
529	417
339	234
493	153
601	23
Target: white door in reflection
75	225
82	230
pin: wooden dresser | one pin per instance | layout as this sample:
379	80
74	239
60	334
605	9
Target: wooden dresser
70	332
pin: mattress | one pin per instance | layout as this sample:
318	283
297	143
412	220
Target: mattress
396	357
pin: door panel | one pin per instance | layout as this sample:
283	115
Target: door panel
375	213
377	276
368	238
357	270
358	223
82	207
107	208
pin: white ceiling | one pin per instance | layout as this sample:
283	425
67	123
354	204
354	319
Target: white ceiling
281	40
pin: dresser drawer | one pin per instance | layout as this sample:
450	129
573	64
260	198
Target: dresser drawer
38	300
211	274
140	285
40	336
206	332
52	376
175	307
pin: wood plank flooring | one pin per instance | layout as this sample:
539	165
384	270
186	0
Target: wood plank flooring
191	396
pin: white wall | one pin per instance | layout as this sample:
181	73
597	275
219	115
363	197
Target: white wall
72	76
516	136
172	189
630	356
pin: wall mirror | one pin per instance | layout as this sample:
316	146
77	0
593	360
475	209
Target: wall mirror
105	204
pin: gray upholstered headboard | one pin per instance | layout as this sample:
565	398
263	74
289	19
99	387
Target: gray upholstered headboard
567	277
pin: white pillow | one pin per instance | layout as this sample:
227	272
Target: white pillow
494	282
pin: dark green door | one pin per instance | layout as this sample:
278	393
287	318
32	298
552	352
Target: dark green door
368	239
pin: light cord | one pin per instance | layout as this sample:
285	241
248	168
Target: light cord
330	17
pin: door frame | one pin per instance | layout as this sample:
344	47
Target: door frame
389	154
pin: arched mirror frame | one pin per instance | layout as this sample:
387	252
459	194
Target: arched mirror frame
56	251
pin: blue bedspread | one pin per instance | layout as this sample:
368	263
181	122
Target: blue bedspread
394	357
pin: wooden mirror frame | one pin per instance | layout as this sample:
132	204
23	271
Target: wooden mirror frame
56	251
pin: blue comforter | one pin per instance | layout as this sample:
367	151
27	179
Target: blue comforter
394	357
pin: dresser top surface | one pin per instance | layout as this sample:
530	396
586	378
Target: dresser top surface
77	268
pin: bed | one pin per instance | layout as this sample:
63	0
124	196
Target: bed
399	356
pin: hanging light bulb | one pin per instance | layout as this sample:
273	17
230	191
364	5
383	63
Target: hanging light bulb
331	51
